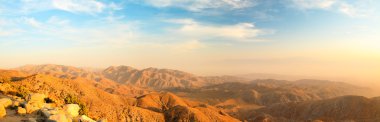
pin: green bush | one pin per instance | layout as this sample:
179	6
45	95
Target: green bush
22	92
83	109
71	99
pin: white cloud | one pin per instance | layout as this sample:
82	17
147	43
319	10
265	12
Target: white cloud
33	22
359	8
244	32
347	9
86	6
198	5
314	4
73	6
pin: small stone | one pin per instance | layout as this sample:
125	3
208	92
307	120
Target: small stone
30	108
31	120
15	104
72	109
21	110
58	118
5	102
85	118
3	112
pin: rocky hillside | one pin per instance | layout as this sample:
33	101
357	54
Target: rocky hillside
60	71
239	98
345	108
268	92
152	78
98	103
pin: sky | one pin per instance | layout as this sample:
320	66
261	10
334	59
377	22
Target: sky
322	38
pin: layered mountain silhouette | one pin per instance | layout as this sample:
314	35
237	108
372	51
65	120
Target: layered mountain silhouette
122	93
345	108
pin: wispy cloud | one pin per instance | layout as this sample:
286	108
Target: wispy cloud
314	4
360	8
72	6
198	5
243	32
86	6
32	22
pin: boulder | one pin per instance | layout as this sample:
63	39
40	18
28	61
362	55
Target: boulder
15	104
36	100
21	110
85	118
58	118
31	108
49	105
3	112
6	102
47	112
72	109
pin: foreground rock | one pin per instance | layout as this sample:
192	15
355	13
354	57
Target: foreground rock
6	102
72	109
59	118
85	118
3	112
21	110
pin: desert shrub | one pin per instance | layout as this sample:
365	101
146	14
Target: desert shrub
22	92
71	99
83	109
5	80
48	100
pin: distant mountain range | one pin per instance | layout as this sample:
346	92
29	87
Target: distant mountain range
122	93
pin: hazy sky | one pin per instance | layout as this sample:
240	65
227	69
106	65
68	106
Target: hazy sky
330	38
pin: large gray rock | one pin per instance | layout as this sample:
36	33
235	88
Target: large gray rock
47	112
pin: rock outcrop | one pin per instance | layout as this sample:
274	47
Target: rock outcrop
36	107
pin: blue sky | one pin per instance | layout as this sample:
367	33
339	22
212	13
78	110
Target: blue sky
210	37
